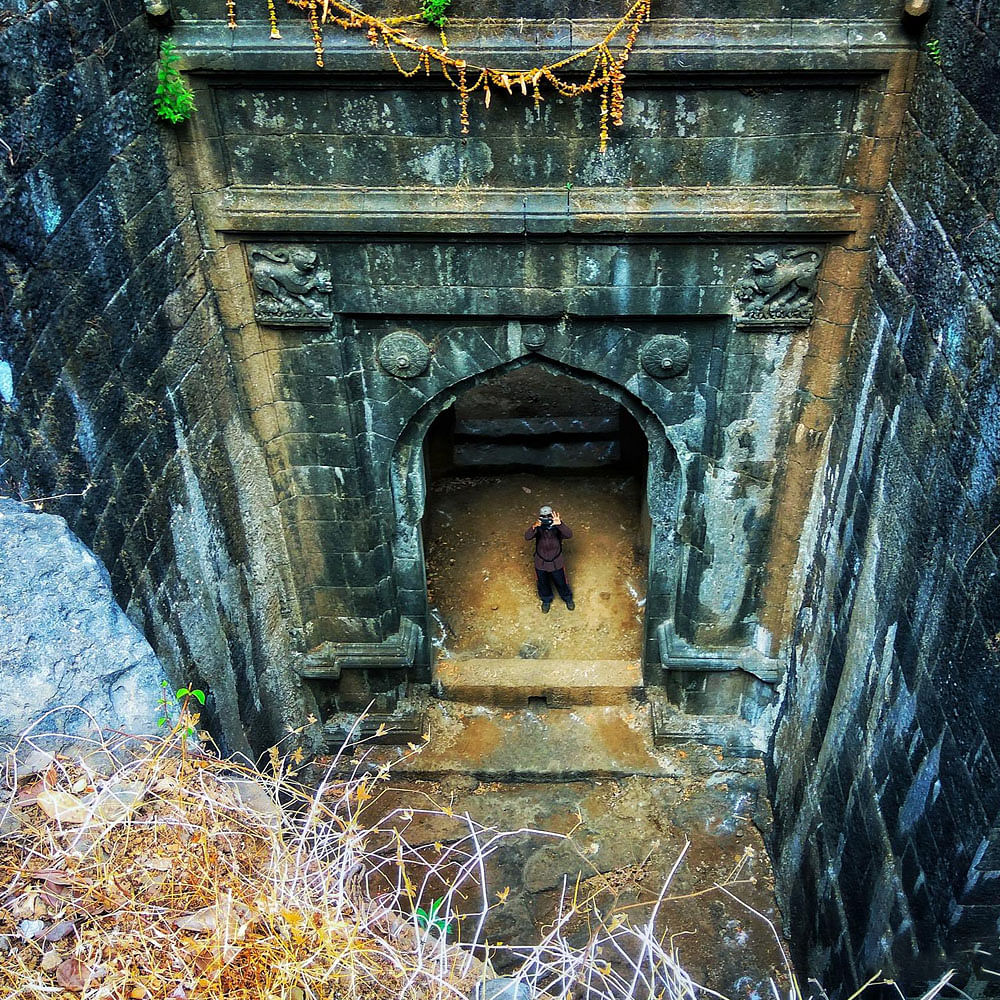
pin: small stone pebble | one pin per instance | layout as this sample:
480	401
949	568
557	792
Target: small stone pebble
503	988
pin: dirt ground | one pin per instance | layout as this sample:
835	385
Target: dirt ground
603	815
481	577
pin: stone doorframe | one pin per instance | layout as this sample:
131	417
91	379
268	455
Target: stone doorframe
664	487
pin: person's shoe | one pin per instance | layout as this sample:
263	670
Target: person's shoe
545	608
570	606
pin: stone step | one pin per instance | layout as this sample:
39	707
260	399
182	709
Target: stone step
510	683
673	727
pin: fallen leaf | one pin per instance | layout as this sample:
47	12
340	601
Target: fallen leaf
75	975
35	762
62	807
58	931
27	905
28	794
55	876
205	919
117	802
50	960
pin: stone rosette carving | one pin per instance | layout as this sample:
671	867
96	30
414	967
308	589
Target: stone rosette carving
403	354
778	288
665	356
292	289
534	336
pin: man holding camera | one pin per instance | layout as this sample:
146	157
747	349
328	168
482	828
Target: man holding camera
548	531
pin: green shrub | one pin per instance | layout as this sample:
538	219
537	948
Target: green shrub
173	101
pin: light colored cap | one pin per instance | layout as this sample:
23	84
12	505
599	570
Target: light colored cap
544	510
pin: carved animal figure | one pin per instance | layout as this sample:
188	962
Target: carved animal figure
291	278
782	283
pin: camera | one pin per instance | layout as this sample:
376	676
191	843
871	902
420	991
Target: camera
545	520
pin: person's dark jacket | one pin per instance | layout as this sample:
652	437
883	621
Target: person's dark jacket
548	550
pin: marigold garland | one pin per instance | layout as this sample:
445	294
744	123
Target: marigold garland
606	76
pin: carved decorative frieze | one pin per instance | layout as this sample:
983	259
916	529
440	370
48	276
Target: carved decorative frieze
778	288
403	354
291	288
665	357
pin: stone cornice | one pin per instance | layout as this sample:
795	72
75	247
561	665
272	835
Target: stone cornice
666	46
666	210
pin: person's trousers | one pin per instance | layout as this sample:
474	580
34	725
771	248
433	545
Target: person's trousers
546	579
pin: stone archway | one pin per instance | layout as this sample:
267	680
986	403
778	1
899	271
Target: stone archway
662	486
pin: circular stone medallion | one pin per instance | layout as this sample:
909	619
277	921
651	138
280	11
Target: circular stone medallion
403	354
665	357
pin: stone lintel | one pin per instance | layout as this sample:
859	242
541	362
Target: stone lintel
398	652
676	654
738	210
741	45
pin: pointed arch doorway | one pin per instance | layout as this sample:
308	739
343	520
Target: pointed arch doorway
504	447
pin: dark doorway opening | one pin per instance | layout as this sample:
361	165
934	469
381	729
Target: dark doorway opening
501	450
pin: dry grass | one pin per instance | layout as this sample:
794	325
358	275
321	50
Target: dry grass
135	868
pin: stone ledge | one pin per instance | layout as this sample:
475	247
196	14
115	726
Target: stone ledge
329	659
562	683
666	45
676	654
667	210
672	727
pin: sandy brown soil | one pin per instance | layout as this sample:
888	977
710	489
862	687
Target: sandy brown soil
625	834
481	577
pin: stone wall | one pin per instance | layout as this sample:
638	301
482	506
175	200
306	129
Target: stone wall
744	142
117	398
885	764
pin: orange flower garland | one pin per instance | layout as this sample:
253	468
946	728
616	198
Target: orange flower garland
607	73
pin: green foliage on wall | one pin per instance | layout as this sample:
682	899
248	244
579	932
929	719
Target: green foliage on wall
173	100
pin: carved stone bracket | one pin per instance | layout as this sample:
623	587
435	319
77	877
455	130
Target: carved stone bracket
291	288
403	354
665	357
676	654
329	659
778	289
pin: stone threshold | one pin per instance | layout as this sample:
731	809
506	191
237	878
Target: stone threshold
518	683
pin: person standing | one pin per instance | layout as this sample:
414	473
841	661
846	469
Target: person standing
548	531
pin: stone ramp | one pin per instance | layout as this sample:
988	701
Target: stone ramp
516	682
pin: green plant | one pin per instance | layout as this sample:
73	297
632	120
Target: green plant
173	100
934	50
432	11
431	917
183	695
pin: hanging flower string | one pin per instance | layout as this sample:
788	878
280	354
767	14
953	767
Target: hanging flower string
606	75
272	16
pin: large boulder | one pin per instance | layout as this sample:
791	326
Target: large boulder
63	639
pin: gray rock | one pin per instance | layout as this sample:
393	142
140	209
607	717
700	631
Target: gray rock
503	988
63	639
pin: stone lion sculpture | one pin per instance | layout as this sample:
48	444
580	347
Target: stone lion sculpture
290	283
780	284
